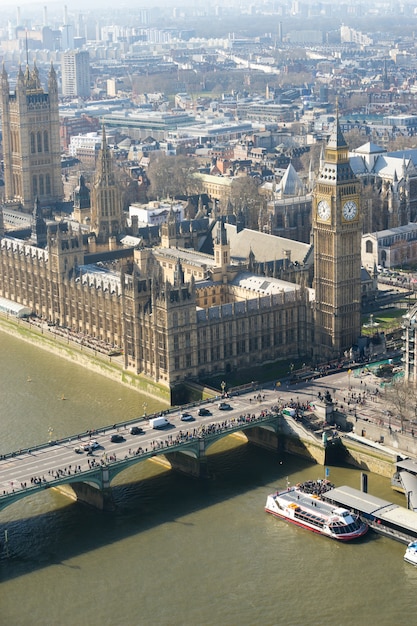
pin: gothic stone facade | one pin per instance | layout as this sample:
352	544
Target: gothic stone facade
31	144
165	329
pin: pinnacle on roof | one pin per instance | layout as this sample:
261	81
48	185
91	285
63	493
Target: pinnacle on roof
221	233
291	184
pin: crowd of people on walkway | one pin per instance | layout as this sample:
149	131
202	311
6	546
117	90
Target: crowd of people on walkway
88	341
154	446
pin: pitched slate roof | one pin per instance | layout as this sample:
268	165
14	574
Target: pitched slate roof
369	148
265	247
387	166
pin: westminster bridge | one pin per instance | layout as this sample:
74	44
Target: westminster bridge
86	476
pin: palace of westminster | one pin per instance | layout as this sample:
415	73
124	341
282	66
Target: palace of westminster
176	312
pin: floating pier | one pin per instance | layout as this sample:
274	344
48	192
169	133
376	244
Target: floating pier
383	517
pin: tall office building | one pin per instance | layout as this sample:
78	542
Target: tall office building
75	68
31	145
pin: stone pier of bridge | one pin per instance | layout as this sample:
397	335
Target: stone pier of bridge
274	432
195	464
98	496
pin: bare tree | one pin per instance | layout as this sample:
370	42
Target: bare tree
172	176
401	398
245	197
402	142
311	157
354	138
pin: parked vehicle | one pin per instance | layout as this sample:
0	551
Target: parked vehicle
224	406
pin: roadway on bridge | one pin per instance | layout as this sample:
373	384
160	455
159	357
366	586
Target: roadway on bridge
47	464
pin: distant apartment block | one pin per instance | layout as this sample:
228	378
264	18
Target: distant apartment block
75	68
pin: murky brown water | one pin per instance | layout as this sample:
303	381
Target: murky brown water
177	551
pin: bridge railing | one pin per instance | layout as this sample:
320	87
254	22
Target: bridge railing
90	434
17	490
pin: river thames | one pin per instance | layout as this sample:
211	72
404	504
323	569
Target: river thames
176	551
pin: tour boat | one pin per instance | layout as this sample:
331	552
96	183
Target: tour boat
411	553
309	511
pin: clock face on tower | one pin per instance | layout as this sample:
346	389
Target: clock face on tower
323	210
350	210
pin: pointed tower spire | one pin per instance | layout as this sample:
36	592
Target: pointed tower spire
322	157
106	201
337	139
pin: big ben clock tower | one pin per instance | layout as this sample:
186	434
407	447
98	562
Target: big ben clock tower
337	233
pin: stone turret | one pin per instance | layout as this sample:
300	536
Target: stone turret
39	229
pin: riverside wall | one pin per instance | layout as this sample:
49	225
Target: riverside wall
292	438
370	459
100	364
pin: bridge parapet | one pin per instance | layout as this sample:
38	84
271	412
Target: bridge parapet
102	470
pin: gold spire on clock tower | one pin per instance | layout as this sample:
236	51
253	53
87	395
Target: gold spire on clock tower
337	233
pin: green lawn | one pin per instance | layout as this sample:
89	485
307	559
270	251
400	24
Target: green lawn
386	320
261	374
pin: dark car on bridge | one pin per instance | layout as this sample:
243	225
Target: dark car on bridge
117	438
225	406
136	430
187	417
203	411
